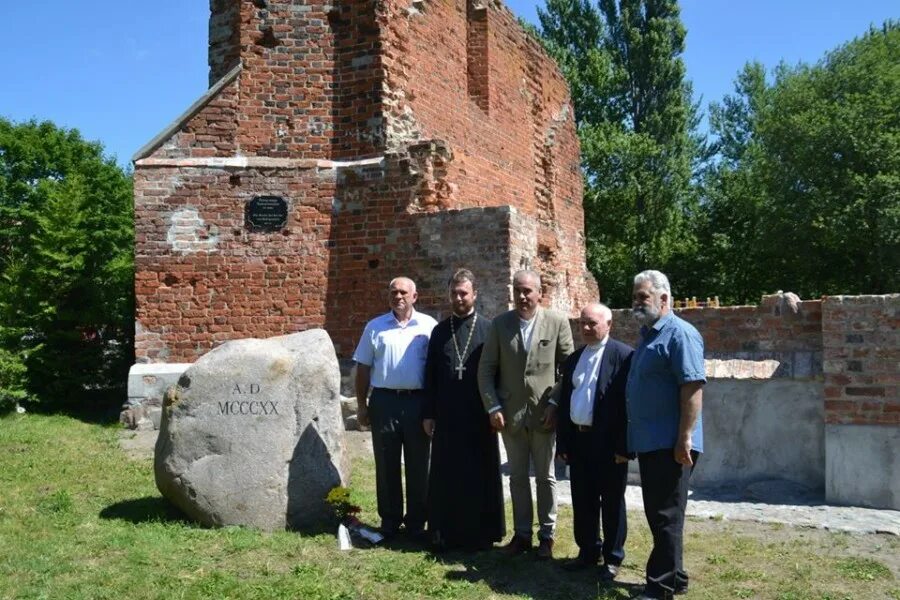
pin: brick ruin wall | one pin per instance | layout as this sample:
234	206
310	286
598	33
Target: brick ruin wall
407	137
466	74
219	281
851	344
861	339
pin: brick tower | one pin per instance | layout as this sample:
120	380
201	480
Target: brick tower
340	145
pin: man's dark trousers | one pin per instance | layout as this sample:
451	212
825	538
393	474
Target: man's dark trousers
598	488
664	484
396	418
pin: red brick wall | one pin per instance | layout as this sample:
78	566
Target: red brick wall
311	79
224	38
862	359
462	153
745	331
212	131
376	239
851	341
508	126
202	278
476	164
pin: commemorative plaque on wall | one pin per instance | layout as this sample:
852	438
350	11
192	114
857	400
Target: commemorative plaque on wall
266	213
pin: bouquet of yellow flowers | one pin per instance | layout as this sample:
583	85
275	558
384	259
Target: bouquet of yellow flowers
351	531
339	500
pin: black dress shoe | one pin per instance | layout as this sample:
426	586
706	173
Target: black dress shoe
420	536
649	595
579	563
608	572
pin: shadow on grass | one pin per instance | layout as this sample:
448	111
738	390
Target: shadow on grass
156	509
325	527
102	413
150	509
523	575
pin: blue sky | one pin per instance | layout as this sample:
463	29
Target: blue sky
120	71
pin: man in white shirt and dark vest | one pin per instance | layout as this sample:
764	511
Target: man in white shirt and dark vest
592	436
390	358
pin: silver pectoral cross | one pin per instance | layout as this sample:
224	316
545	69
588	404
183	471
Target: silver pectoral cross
459	371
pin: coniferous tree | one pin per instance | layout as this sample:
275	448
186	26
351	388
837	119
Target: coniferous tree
66	265
622	59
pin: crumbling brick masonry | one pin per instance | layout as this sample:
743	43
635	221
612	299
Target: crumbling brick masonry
405	136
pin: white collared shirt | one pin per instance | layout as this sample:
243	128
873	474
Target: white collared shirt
584	383
526	328
396	352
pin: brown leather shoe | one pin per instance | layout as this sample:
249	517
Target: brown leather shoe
517	545
545	550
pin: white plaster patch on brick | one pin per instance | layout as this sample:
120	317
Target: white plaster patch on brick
416	7
173	145
557	121
188	233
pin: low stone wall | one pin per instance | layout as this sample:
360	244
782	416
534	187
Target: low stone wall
862	404
801	391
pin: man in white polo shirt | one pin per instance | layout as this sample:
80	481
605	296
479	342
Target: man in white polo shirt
390	358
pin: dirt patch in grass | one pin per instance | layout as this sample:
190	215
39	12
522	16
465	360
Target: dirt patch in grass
882	548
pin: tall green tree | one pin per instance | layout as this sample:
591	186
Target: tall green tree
66	267
806	192
633	108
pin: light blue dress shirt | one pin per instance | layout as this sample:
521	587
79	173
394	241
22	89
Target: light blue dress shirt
670	354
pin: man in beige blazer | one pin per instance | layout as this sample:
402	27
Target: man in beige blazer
519	364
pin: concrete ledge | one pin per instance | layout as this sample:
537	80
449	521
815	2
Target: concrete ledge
259	162
764	365
741	369
147	382
862	465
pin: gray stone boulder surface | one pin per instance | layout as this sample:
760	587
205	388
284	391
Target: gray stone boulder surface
251	434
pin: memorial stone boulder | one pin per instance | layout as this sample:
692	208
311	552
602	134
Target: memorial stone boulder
251	435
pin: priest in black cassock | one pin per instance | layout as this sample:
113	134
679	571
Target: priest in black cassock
465	493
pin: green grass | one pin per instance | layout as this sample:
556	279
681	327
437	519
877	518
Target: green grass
80	520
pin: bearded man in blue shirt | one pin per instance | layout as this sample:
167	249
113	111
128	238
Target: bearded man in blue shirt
664	397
